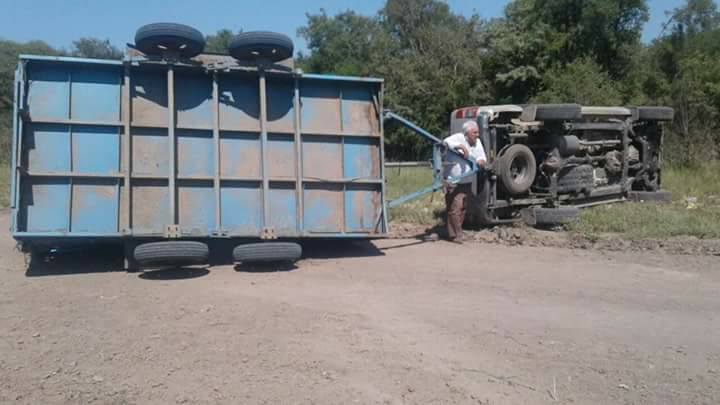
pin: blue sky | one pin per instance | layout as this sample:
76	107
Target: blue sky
59	22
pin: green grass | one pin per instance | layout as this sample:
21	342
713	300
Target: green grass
4	184
629	220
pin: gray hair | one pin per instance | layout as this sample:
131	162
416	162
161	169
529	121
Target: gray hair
468	125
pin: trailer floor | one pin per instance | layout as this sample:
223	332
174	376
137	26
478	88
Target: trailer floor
393	322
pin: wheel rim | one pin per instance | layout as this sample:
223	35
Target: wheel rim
518	170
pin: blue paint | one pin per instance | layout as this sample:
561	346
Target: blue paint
361	214
323	208
240	155
93	199
320	112
361	158
193	100
239	103
46	202
95	94
48	147
96	149
280	111
281	156
241	208
150	200
283	208
196	155
48	92
196	210
150	151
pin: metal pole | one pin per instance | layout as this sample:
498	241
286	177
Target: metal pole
127	153
298	158
263	148
216	142
171	142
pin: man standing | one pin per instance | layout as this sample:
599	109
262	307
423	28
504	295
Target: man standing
467	145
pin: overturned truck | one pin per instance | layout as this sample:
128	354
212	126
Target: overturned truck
546	161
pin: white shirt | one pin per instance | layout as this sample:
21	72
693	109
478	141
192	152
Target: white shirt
455	165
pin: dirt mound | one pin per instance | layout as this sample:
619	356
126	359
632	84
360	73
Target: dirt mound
520	235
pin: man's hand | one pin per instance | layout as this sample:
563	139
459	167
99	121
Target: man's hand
462	149
481	163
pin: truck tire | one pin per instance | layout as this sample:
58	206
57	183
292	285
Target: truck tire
654	113
267	252
654	196
176	253
567	145
558	112
575	178
516	169
155	38
257	45
555	216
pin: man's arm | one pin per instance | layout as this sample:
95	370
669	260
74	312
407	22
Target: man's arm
456	143
479	154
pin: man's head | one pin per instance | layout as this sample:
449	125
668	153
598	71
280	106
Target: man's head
471	131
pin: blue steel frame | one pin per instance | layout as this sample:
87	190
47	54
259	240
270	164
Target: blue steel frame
437	162
362	195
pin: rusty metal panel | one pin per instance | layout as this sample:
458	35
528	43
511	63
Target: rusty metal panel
322	157
95	93
280	112
324	212
48	92
281	156
149	151
149	206
241	208
361	158
95	149
47	147
239	155
94	206
45	203
149	98
363	206
359	115
196	212
196	155
283	208
320	101
239	103
193	100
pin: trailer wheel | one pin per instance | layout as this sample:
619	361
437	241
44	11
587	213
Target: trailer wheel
654	113
516	169
555	216
257	45
558	112
159	37
654	196
171	253
267	252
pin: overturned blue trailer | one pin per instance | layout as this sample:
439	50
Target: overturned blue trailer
152	149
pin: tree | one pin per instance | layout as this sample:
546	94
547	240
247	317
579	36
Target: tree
219	42
95	48
583	82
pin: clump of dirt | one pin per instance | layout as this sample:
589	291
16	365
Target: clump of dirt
522	235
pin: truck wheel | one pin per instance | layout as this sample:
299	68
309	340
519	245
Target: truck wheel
555	216
654	113
654	196
267	252
158	37
516	169
171	253
558	112
256	45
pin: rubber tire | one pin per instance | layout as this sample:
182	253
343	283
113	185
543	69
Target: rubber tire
258	45
555	216
575	178
650	196
172	36
175	253
558	112
267	252
504	164
567	145
655	113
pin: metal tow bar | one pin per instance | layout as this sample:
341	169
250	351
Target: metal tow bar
437	161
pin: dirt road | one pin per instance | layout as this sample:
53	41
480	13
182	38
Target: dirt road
393	322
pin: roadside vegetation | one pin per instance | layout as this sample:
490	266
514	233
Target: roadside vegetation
694	212
4	184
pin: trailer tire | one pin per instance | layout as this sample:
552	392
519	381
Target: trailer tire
516	169
555	216
558	112
171	253
256	45
650	196
183	39
267	252
655	113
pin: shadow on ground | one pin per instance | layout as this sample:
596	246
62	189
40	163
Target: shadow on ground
109	258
